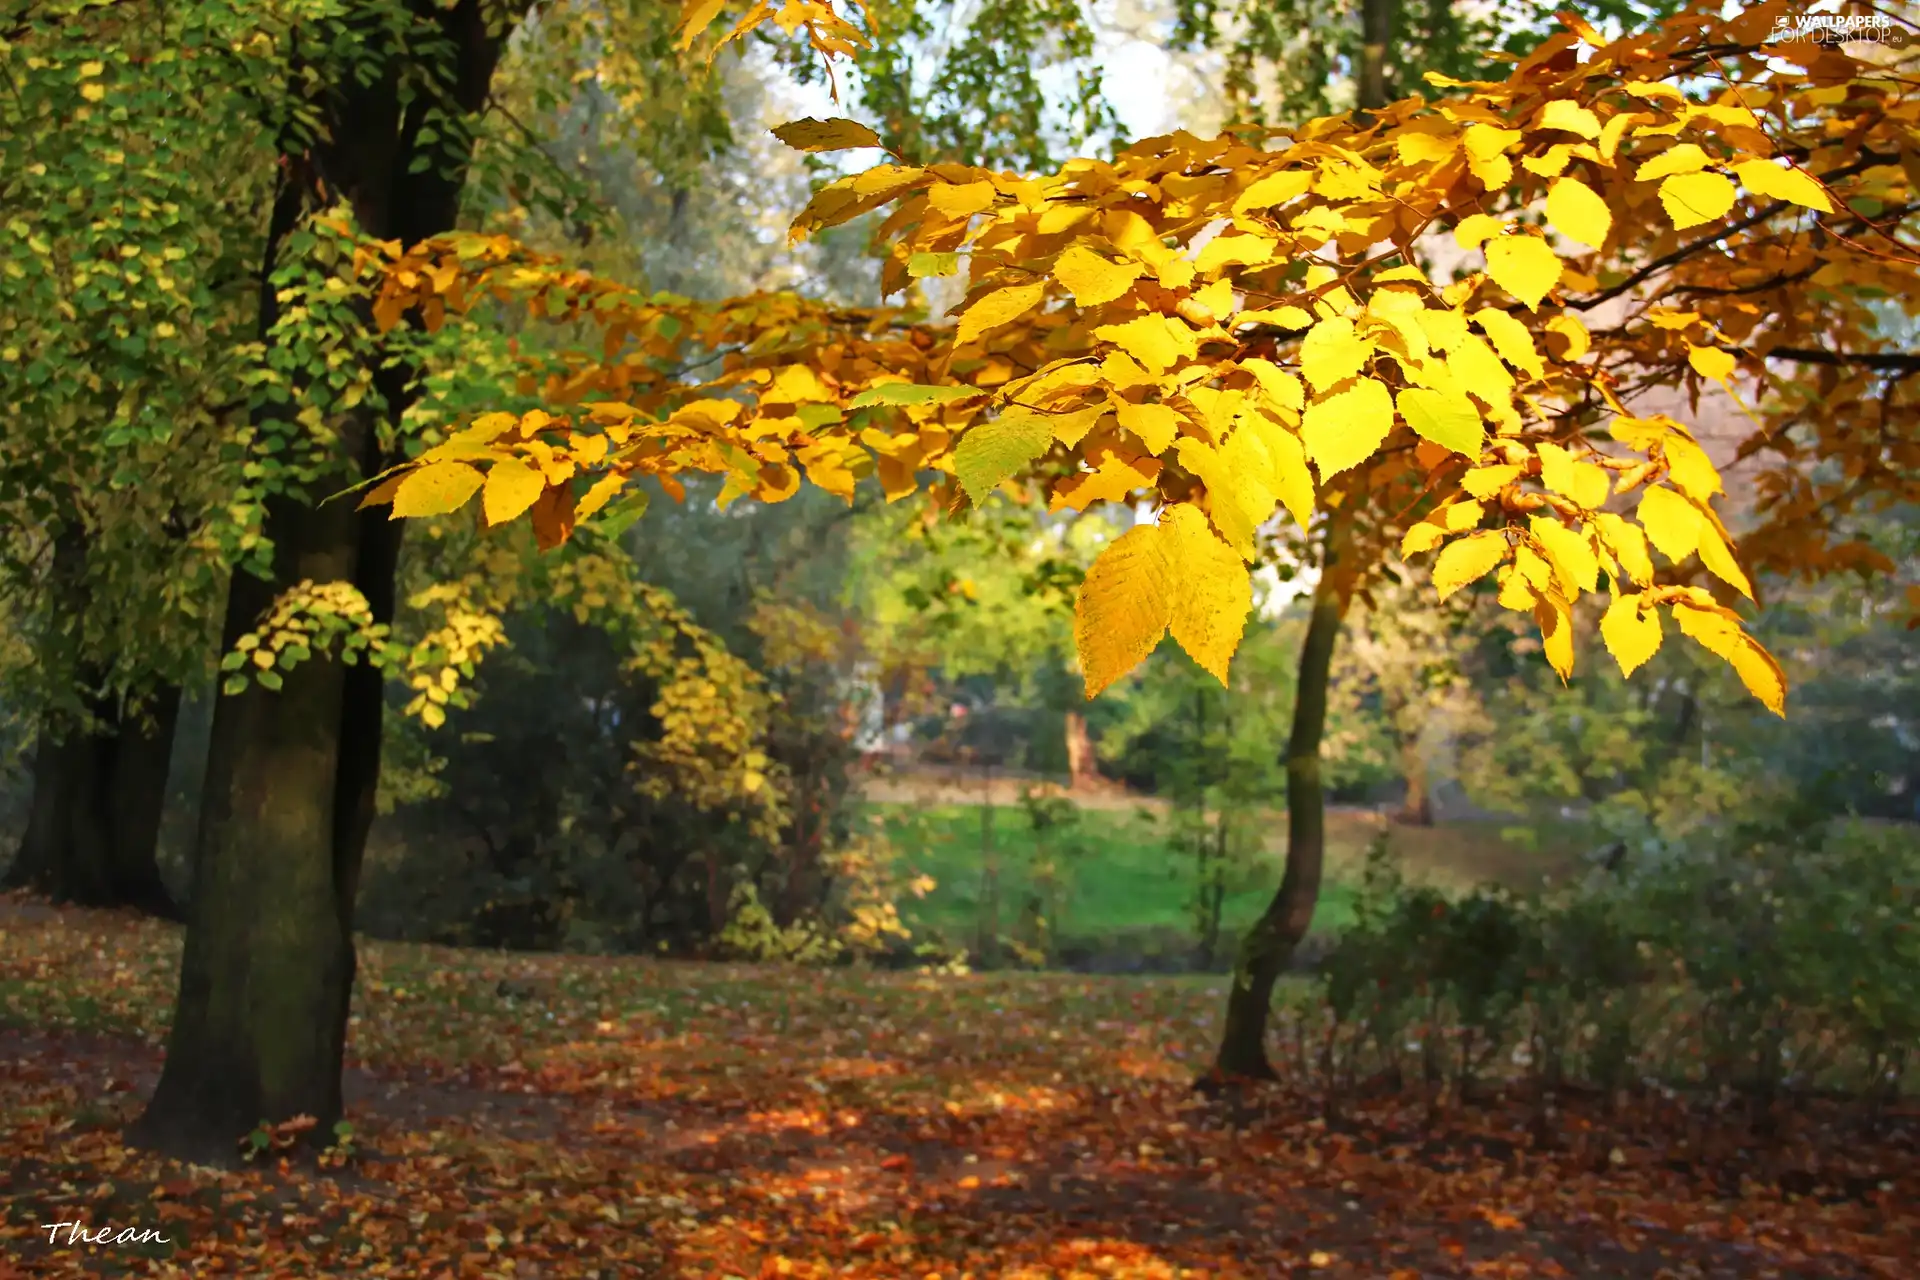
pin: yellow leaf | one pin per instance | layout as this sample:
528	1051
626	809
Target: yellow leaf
960	200
1156	341
995	309
1288	317
1721	635
1584	482
1672	523
1444	329
835	134
696	16
1484	482
436	489
1332	352
1423	148
1694	198
1556	634
1291	481
1689	467
1212	591
1155	424
1124	606
1628	543
1574	564
1574	333
1578	213
1511	339
1112	481
600	494
1564	113
1477	369
1711	362
1092	279
1345	430
1796	186
1476	229
93	91
1275	188
1447	418
511	488
1231	250
1276	384
1516	593
1685	158
1631	634
1718	558
1467	560
1524	266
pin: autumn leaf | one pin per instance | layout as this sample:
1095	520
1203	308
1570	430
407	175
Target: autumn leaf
835	134
1446	418
1630	632
994	309
1332	352
1577	213
1711	362
1764	178
1345	429
1525	266
511	488
1467	560
1092	279
1212	591
436	489
1672	523
1124	606
995	450
1694	198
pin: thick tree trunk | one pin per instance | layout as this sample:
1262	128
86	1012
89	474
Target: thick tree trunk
1269	945
266	980
93	825
1377	20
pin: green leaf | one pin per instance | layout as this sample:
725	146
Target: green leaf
906	393
270	679
992	451
922	265
234	684
621	515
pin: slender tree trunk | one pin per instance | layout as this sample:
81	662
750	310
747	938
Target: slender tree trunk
1416	810
1083	774
93	825
1269	945
266	979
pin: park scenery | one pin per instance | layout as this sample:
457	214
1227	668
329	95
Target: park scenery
958	639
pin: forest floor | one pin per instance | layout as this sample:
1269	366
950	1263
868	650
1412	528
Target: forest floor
544	1116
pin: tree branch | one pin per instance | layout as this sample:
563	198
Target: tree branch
1897	361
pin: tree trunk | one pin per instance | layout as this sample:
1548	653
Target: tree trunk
1269	945
93	825
1082	772
266	979
1376	37
1416	810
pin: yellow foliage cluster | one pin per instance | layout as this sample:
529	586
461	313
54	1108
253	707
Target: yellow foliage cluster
1230	327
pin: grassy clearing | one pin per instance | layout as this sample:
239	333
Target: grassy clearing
1122	886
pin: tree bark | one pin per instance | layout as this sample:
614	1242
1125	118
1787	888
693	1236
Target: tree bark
266	979
1416	809
1377	20
1270	943
93	825
1082	772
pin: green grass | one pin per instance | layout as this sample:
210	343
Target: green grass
1125	889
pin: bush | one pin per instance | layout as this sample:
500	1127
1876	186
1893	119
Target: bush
1777	955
